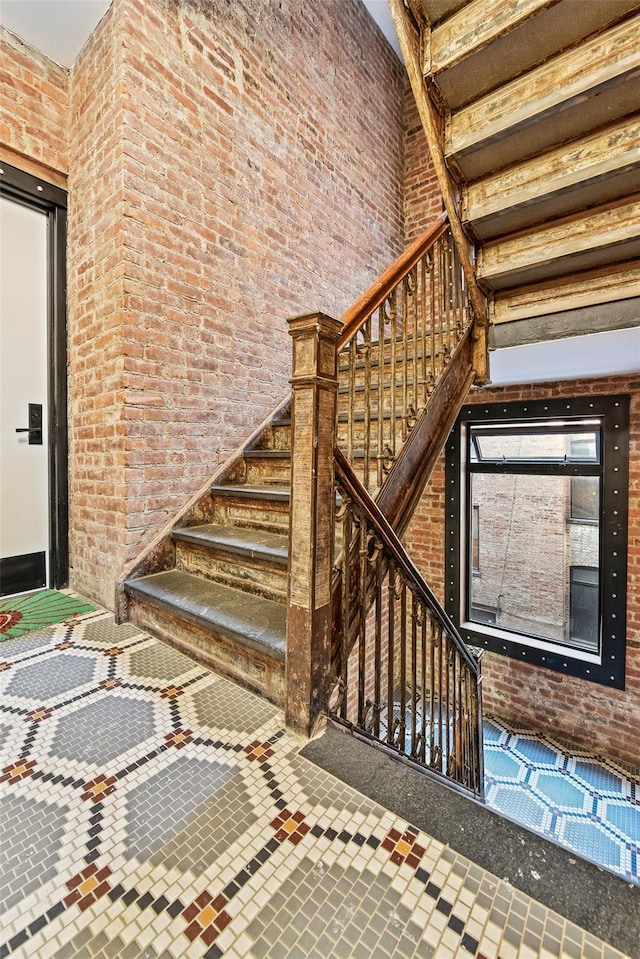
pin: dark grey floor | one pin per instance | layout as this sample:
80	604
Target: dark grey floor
593	898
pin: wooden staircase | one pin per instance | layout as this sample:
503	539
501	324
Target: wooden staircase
223	600
255	561
217	587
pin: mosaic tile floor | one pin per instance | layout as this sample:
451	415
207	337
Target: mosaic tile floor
151	809
587	806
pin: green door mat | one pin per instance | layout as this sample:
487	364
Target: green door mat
24	614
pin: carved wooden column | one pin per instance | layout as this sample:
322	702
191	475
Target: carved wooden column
313	417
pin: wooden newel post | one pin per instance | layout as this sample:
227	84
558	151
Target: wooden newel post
313	418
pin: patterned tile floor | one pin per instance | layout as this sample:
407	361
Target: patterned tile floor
151	809
588	806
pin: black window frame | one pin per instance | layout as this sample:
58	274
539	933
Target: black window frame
608	667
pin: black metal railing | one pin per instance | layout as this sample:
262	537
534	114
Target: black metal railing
397	342
404	677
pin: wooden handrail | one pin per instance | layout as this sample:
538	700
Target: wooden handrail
354	488
377	293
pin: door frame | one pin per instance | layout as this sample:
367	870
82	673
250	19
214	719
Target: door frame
38	194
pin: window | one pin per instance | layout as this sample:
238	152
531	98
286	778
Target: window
585	498
583	606
475	539
546	581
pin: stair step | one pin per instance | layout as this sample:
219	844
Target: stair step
268	467
257	544
374	358
386	386
263	507
274	494
244	618
277	436
358	416
267	454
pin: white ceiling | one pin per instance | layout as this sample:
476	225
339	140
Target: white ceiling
60	28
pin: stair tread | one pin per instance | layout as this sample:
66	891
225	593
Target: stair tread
279	493
249	619
360	387
238	539
267	454
358	416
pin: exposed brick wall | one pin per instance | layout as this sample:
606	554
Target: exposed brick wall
233	164
96	299
34	105
586	714
422	199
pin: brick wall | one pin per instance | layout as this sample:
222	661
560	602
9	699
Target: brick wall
586	714
34	104
232	164
96	317
422	199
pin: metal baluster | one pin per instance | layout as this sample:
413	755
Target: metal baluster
393	325
432	318
405	357
362	615
448	295
346	600
414	671
377	654
447	693
444	288
351	398
423	319
458	290
473	729
401	738
414	280
469	732
366	352
478	740
390	653
440	689
423	683
452	765
381	442
460	751
432	689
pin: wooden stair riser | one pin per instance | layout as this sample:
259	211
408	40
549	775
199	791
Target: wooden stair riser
251	513
359	433
275	437
252	575
423	363
248	667
423	388
267	471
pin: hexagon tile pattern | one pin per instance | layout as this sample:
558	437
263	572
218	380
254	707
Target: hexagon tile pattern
152	810
54	676
121	721
584	805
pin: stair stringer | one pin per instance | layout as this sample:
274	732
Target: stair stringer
159	554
